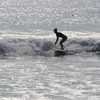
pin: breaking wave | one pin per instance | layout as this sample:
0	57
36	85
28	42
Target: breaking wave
44	47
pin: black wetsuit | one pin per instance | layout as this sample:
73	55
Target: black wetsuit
58	34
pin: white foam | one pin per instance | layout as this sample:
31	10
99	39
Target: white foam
41	42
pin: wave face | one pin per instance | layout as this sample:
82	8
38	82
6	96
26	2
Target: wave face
25	47
45	47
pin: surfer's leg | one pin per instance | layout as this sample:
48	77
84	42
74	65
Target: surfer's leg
62	41
61	46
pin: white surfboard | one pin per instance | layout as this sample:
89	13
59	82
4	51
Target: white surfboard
59	53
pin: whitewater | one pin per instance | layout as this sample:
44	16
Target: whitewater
28	68
25	43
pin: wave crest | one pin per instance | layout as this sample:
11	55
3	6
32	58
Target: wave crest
46	47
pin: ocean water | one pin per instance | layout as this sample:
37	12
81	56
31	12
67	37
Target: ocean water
28	68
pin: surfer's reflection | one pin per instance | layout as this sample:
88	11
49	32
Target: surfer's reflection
64	38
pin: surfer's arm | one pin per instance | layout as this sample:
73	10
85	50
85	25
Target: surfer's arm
56	40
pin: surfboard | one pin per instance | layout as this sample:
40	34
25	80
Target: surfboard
59	53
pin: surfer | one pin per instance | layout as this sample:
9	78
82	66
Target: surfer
64	38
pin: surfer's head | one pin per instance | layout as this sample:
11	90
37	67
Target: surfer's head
55	30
